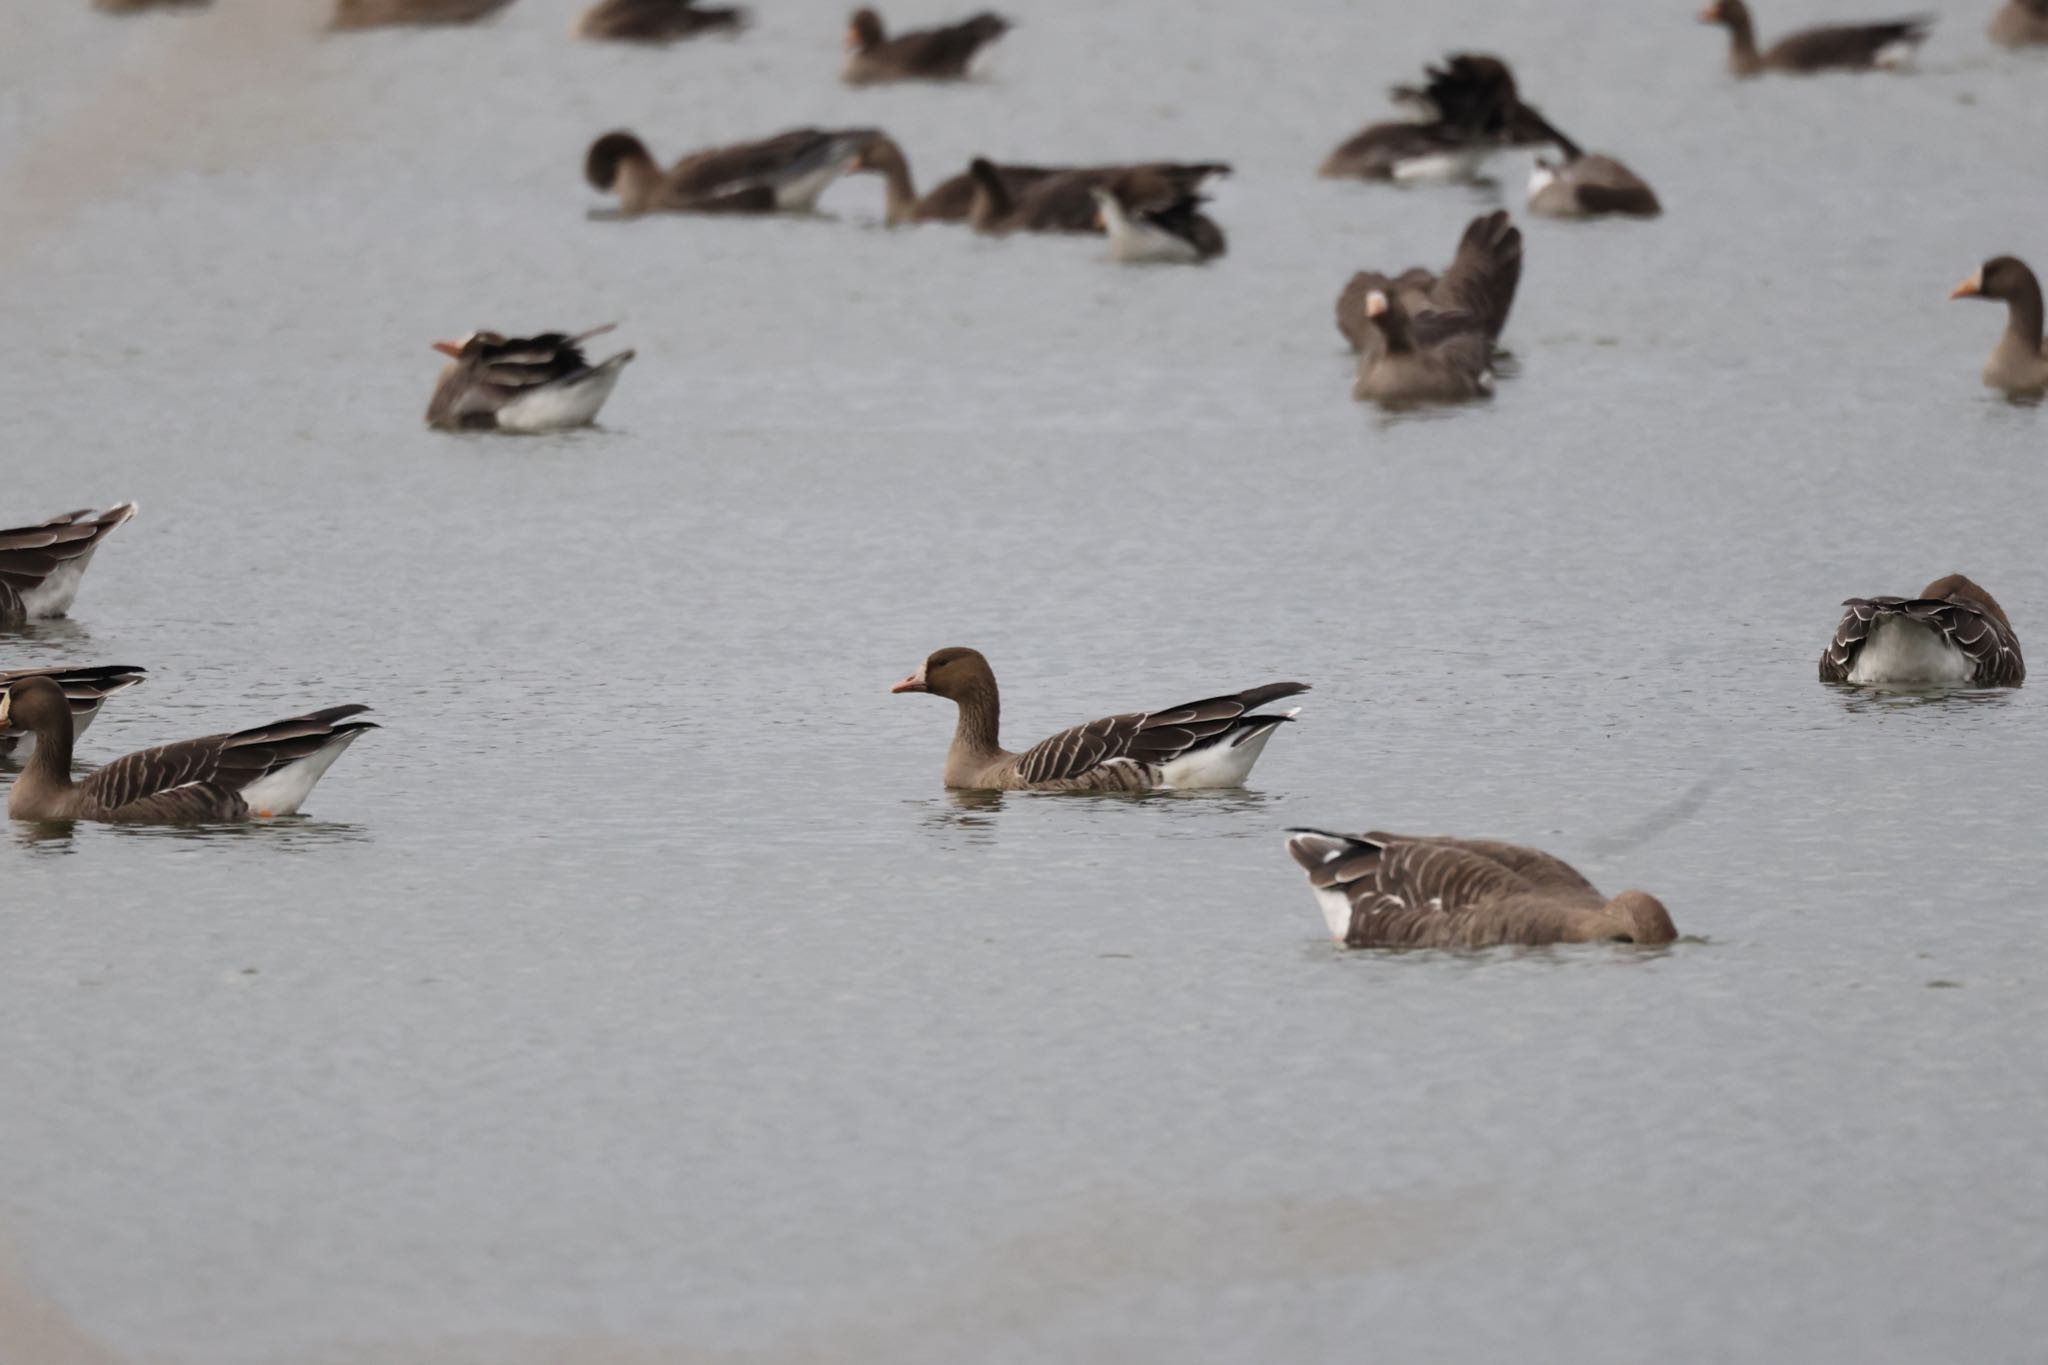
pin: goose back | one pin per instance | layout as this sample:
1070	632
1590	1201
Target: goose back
1953	633
42	565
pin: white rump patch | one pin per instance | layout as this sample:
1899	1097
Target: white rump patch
1136	242
1902	652
1226	763
1462	164
1541	178
1894	56
566	403
283	791
53	596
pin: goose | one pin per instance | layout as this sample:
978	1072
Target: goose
1430	891
41	565
782	174
1954	634
266	771
83	688
1470	109
932	54
1432	357
138	6
1479	281
2019	363
380	13
1587	185
1832	47
655	21
951	199
2021	23
524	384
1151	219
1064	201
1209	743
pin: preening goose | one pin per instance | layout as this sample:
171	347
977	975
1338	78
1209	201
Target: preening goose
1442	351
378	13
1210	743
83	688
1480	280
1154	219
2021	23
1954	634
1428	891
2019	363
1064	201
265	771
782	174
1469	109
949	201
930	54
1587	185
525	384
41	565
656	21
1831	47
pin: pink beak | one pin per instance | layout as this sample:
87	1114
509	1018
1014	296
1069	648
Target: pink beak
449	348
913	683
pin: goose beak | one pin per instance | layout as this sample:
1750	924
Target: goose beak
1969	288
913	683
1711	14
449	348
852	40
1375	304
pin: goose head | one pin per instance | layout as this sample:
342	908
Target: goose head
953	672
1640	917
601	164
35	704
1957	587
2001	277
863	30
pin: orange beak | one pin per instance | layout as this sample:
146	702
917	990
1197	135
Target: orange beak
853	40
1968	288
1712	13
913	683
449	348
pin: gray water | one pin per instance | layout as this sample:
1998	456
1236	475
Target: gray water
637	996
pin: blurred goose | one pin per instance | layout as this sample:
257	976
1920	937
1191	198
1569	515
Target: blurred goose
1480	281
525	384
1954	634
1587	185
266	771
1210	743
932	54
1064	201
655	21
2019	363
782	174
1832	47
41	565
378	13
83	688
1428	891
1442	351
1469	109
138	6
1154	220
949	201
2021	23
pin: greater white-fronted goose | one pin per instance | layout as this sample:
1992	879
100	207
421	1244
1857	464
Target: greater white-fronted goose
41	565
1429	891
138	6
382	13
83	688
1587	185
1153	219
1954	634
2019	362
524	384
656	21
266	771
949	201
1209	743
1442	350
1480	280
782	174
2021	23
1064	201
928	54
1470	109
1831	47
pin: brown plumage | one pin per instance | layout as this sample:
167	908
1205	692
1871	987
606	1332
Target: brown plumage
1480	282
378	13
931	54
265	771
1588	185
1064	201
83	688
1470	108
138	6
41	565
781	174
2019	362
1209	743
949	201
2020	23
1953	634
529	384
1831	47
1154	218
1430	891
656	21
1441	351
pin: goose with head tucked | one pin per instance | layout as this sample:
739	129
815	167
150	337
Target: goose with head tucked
1209	743
2019	362
656	21
41	565
1830	47
782	174
493	382
926	54
1065	201
385	13
2020	23
1152	219
1954	634
1431	891
84	689
1582	184
1468	109
265	771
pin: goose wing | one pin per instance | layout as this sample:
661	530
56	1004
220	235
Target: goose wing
84	688
1989	644
1155	738
741	165
1398	890
1846	44
203	778
1483	275
942	50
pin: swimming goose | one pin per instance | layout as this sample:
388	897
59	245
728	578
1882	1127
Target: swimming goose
1479	281
1432	357
782	174
1470	109
1831	47
2021	23
655	21
1209	743
83	688
1587	185
1153	219
1064	201
378	13
950	200
932	54
41	565
266	771
525	384
2019	363
1428	891
1954	634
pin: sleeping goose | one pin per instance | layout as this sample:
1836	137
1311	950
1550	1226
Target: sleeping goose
932	54
1152	219
1470	109
378	13
2019	363
1952	635
1587	185
1832	47
83	688
655	21
782	174
2021	23
1429	891
526	384
261	772
1480	279
1064	201
41	565
1210	743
